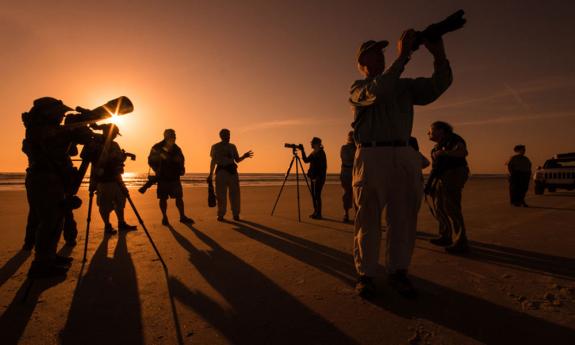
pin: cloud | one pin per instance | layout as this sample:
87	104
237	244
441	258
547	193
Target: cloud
534	86
518	118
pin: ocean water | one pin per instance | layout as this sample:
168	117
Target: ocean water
15	181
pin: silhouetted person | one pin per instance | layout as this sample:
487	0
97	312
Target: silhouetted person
386	171
445	184
347	155
317	173
519	167
48	180
70	230
167	161
224	160
106	179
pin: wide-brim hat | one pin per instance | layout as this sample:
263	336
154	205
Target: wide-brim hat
369	45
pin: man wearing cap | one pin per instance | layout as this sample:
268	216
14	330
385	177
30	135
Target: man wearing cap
387	172
225	157
167	161
107	176
48	180
519	167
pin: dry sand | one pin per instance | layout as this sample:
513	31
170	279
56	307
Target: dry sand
272	280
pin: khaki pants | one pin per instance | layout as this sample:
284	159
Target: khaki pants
448	204
226	181
386	178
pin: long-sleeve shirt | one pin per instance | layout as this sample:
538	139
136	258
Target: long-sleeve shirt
317	164
383	105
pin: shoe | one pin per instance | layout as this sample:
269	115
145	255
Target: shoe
441	241
220	218
365	287
28	246
458	248
142	190
524	204
186	220
46	270
401	283
165	221
346	219
108	229
316	216
126	227
237	218
63	260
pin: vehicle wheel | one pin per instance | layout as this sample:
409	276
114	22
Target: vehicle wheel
551	189
539	189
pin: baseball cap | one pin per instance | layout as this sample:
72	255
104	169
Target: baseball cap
368	45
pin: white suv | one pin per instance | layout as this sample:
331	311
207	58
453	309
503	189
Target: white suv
557	172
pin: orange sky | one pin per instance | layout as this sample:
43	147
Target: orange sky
279	71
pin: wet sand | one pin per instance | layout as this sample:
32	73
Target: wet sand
273	280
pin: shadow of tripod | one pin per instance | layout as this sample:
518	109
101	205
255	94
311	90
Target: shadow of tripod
295	158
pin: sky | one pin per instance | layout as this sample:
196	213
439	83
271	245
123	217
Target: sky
277	72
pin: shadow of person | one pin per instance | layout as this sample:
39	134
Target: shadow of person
106	305
324	258
12	265
259	311
472	316
15	318
545	264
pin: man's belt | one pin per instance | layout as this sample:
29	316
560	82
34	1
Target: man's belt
392	143
347	166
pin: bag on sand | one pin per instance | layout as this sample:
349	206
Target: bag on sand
211	195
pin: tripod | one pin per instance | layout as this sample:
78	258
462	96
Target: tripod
298	165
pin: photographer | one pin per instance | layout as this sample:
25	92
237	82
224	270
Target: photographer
445	184
387	172
316	173
49	180
107	177
224	160
167	161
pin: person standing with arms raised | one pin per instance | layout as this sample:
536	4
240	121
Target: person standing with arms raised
387	172
224	161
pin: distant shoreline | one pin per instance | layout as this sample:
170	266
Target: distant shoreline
15	181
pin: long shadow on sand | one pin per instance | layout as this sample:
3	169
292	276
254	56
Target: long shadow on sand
259	312
12	265
556	266
16	317
106	305
474	317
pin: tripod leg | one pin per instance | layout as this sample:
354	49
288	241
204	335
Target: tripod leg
146	230
304	175
165	267
297	190
88	220
283	184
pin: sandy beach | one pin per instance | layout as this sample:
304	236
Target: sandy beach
272	280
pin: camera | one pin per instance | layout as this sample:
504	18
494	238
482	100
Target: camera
435	31
118	106
293	146
152	180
